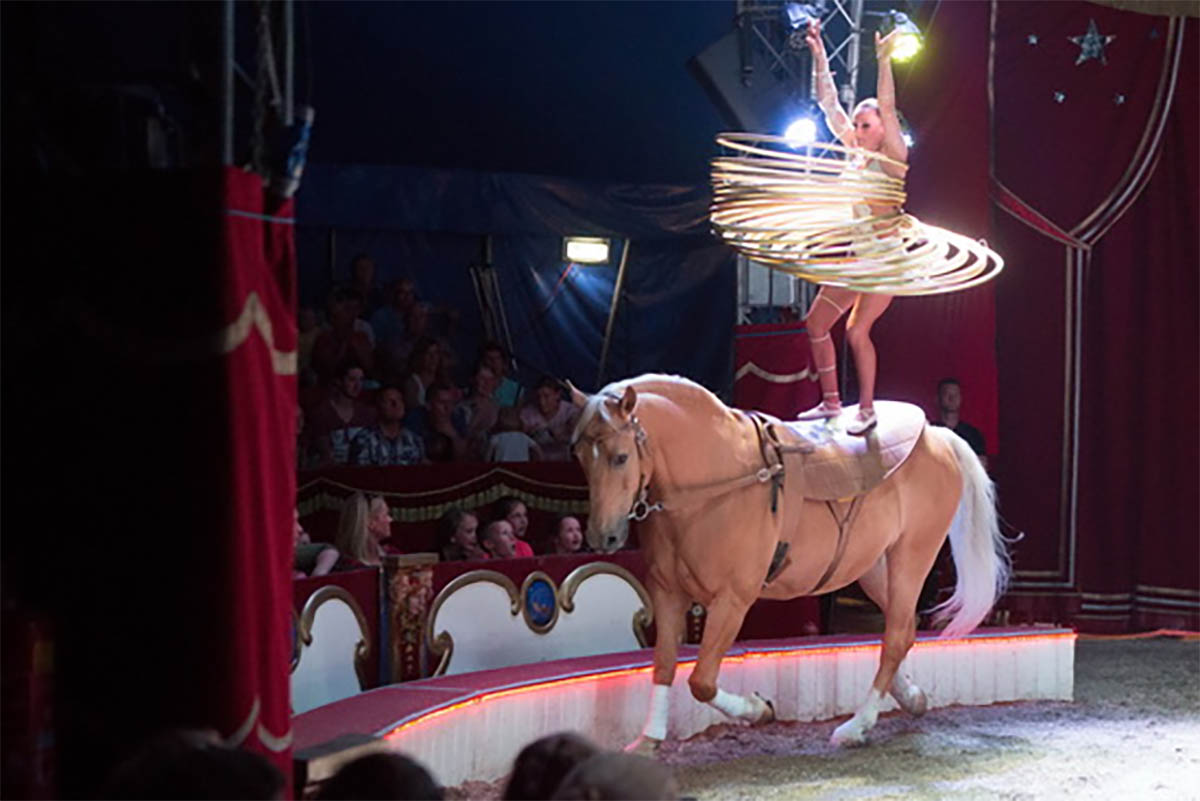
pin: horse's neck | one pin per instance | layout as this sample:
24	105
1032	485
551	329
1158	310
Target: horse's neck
694	440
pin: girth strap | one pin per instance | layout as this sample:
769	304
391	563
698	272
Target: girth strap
843	524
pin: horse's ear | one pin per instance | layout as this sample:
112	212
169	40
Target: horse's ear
628	401
577	397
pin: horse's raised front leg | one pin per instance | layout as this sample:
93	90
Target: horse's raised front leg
721	626
669	611
908	695
904	579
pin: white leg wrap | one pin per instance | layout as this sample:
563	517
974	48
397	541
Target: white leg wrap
656	722
854	731
736	706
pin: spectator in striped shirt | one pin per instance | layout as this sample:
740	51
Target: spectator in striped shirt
388	442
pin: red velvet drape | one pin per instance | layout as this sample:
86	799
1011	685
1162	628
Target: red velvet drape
1095	179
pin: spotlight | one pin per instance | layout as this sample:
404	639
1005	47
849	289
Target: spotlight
801	132
585	249
908	40
800	14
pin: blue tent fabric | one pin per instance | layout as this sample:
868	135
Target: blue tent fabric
678	307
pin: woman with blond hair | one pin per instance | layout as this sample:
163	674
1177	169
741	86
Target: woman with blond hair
362	528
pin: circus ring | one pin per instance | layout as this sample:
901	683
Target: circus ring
469	727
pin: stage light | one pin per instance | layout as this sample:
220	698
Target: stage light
908	38
800	14
585	249
801	132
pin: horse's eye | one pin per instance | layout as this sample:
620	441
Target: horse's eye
620	459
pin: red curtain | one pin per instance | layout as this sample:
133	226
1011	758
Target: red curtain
772	371
1094	176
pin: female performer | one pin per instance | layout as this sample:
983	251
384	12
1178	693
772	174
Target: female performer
876	128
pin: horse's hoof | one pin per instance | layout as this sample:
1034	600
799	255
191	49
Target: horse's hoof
916	704
849	734
768	713
644	746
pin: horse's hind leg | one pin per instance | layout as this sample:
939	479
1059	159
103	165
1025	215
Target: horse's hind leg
909	696
725	615
905	576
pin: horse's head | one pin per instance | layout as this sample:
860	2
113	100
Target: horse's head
608	443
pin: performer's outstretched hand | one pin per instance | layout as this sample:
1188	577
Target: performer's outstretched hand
884	47
815	43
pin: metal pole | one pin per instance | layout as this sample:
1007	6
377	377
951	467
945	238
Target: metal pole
612	313
853	50
227	56
289	63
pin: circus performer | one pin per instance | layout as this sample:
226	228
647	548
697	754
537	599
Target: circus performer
875	127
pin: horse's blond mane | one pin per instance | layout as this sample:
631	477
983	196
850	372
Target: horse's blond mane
674	388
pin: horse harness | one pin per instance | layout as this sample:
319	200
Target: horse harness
773	451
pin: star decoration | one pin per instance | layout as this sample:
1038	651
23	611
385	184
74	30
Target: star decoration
1119	99
1032	39
1091	44
1059	97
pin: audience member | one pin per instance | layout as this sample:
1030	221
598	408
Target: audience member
550	420
438	448
312	558
341	341
416	328
362	279
457	535
568	535
306	453
438	418
510	443
310	330
389	324
382	776
542	765
194	764
360	325
498	540
388	442
362	528
476	415
493	356
424	370
513	509
949	406
618	776
336	421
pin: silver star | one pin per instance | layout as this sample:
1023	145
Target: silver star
1059	97
1119	99
1032	39
1091	44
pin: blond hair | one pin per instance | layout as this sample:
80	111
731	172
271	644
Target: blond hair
353	538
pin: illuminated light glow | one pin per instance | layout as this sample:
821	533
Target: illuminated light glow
824	650
585	250
907	46
801	132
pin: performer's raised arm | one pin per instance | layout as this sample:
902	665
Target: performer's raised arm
827	99
885	92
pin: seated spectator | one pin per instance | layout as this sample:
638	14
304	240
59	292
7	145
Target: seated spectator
310	330
439	449
493	356
337	420
618	776
498	540
424	370
194	764
342	341
381	776
568	535
438	418
476	415
510	443
416	328
513	509
306	453
390	329
457	533
949	395
542	765
550	420
312	558
362	528
362	280
387	442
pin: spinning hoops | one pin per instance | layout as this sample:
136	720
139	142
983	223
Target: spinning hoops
794	212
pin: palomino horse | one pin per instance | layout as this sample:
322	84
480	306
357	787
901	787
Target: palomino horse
665	451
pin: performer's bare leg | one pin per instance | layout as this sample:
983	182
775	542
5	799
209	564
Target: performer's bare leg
867	309
828	306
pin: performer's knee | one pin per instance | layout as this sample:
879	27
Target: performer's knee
816	328
858	335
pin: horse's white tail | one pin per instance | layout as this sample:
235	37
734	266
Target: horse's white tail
980	556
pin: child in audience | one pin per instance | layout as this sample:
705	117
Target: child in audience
510	443
605	776
543	764
458	535
383	775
